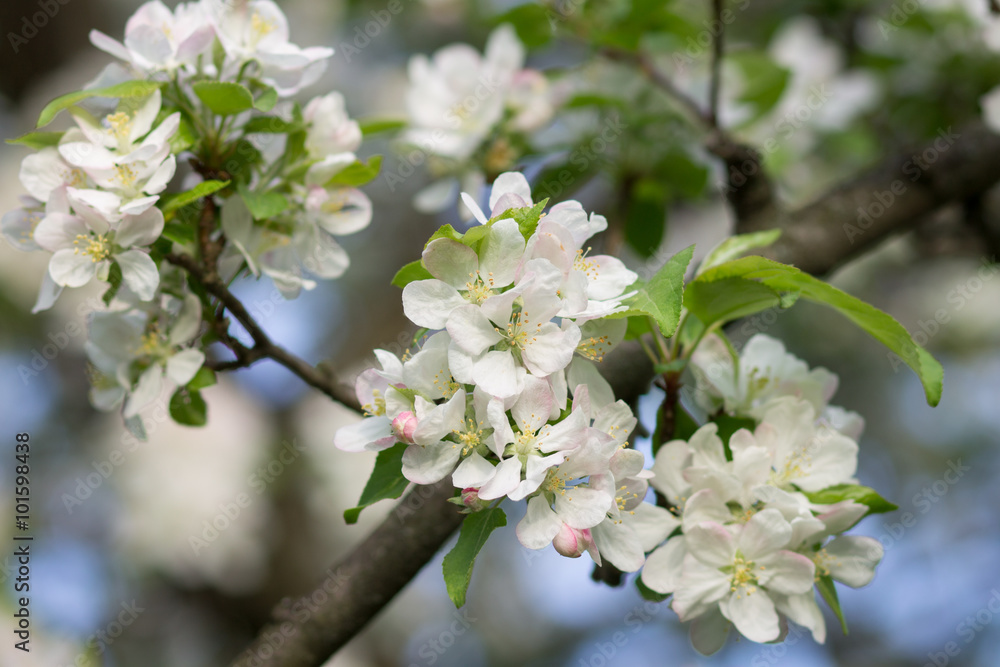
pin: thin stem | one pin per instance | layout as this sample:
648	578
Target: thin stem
716	77
650	352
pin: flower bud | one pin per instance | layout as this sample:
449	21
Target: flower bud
403	426
572	542
471	500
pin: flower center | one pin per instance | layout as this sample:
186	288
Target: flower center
377	407
478	288
587	265
823	560
794	467
525	442
471	438
518	331
259	28
97	246
126	175
594	348
744	580
121	125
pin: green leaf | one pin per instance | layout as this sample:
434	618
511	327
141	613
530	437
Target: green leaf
411	272
239	160
269	125
531	22
781	278
266	101
682	175
358	173
645	216
204	189
527	219
138	88
205	377
728	299
370	126
735	246
476	529
637	326
386	481
179	233
114	282
188	407
224	97
264	205
824	584
37	140
445	232
764	80
860	494
660	298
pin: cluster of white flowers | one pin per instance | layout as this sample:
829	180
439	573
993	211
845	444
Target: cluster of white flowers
505	396
466	111
752	544
96	191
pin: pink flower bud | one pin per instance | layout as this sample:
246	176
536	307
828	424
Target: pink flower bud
404	425
572	542
470	498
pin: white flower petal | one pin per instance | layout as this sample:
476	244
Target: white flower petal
139	273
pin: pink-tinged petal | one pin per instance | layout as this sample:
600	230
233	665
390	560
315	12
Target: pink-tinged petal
535	471
43	172
140	230
507	202
841	516
505	480
663	569
184	365
139	272
833	459
471	331
765	532
618	544
58	231
652	524
709	632
569	434
146	391
441	421
582	507
705	505
109	45
501	252
71	269
353	212
533	405
428	303
785	572
498	375
608	276
510	182
711	543
47	294
803	610
753	615
453	262
584	372
157	183
473	472
706	448
473	207
852	559
430	464
701	588
539	526
106	204
368	434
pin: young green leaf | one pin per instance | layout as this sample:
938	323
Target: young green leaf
411	272
187	407
358	173
264	205
370	126
860	494
205	377
268	125
224	97
114	283
735	246
824	584
138	88
266	101
476	529
205	188
386	481
660	298
37	140
702	298
646	214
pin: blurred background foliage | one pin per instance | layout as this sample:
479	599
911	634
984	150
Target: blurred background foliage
824	88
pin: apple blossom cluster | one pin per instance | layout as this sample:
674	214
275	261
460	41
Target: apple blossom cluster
505	397
469	111
757	532
112	197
